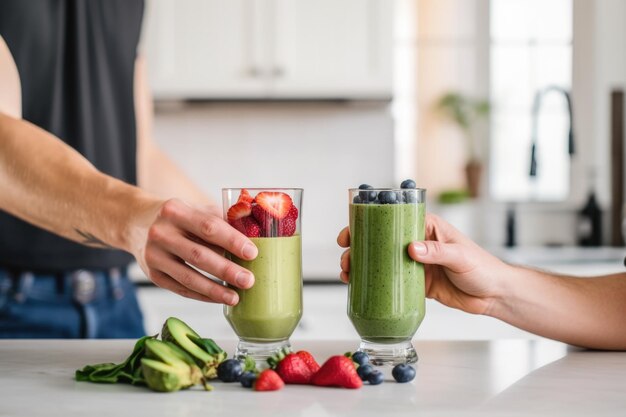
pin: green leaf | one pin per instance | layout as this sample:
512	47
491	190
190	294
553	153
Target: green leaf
208	345
128	371
249	364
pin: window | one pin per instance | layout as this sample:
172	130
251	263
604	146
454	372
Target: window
530	50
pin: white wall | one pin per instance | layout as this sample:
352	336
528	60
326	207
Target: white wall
324	148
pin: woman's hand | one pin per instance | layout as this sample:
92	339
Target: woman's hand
459	273
170	236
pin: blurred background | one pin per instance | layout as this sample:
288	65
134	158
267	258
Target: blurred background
510	113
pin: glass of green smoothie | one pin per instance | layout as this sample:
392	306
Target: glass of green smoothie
386	291
269	311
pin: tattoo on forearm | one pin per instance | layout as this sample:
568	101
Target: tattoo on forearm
91	240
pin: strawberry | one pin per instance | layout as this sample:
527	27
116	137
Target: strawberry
309	360
337	371
245	197
286	227
250	227
263	219
238	211
293	212
277	204
294	370
268	380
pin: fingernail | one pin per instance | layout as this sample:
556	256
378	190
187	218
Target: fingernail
230	298
420	248
243	278
250	251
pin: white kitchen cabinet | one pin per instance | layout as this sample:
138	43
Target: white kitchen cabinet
332	48
274	49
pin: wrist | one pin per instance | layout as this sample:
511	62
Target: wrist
133	212
506	278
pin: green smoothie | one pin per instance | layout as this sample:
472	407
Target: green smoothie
272	308
386	293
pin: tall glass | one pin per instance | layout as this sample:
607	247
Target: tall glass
268	313
386	293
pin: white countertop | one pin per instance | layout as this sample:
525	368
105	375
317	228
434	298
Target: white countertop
486	378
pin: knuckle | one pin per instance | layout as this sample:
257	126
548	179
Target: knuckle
185	278
196	256
229	270
155	233
435	249
209	226
169	209
150	256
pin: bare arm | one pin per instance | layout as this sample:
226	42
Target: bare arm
157	173
588	312
47	183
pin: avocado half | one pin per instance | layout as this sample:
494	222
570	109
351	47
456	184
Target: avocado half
206	353
166	368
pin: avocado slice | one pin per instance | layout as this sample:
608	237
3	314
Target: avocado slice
206	353
163	377
167	368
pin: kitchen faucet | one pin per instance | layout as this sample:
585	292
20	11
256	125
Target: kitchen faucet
535	122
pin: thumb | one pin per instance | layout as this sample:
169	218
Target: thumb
450	255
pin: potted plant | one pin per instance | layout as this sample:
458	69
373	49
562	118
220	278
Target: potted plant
467	113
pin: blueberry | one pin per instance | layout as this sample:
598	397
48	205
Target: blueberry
229	371
410	197
361	358
375	378
247	379
356	199
407	184
400	197
364	371
387	197
403	373
367	195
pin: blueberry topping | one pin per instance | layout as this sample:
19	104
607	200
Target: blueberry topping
361	358
247	379
407	184
387	197
400	197
367	195
356	199
410	197
403	373
364	371
375	378
229	371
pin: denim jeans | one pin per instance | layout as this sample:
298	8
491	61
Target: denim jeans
75	304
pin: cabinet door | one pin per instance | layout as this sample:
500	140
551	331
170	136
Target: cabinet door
207	48
332	48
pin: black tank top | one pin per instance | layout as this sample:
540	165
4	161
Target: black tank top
76	62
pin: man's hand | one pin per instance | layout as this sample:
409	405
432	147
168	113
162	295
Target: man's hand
172	235
459	273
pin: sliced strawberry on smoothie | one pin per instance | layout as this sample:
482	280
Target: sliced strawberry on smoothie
293	212
250	227
337	371
276	204
286	227
236	213
245	196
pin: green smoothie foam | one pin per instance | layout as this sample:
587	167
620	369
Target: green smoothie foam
386	293
272	308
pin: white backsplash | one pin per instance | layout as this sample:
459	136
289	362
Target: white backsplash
324	148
